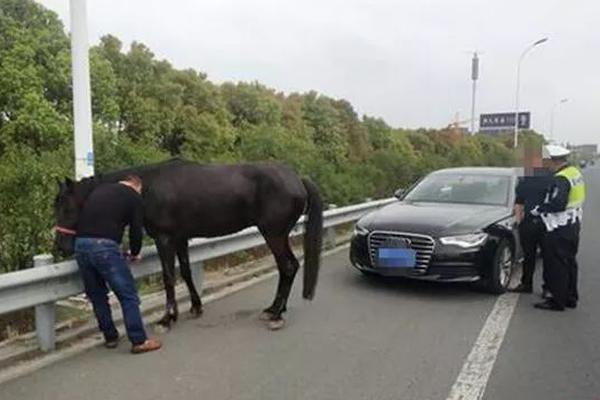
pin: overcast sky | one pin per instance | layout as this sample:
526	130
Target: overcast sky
405	61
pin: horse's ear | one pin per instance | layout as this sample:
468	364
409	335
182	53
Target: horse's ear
59	182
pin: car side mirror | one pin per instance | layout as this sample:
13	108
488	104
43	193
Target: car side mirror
399	193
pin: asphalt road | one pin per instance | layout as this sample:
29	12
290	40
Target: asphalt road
359	339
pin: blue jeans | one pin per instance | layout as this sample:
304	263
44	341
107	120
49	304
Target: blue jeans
101	262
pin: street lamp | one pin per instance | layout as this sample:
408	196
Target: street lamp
562	101
527	50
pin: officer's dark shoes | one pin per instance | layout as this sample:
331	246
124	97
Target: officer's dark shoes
521	289
571	304
549	305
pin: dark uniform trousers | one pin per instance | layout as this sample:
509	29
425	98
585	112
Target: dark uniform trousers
531	234
560	263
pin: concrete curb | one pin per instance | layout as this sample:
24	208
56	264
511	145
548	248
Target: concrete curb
86	337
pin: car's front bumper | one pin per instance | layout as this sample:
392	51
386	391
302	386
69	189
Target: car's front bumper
448	263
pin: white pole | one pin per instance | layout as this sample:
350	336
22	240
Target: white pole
552	122
552	117
516	127
474	77
516	133
82	104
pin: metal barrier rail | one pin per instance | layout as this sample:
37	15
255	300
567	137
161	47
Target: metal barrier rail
43	285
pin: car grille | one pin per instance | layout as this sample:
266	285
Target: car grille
421	243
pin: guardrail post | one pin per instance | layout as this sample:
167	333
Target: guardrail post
330	239
197	270
45	314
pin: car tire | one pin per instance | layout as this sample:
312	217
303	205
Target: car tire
501	270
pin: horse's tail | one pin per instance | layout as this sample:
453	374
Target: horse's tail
313	239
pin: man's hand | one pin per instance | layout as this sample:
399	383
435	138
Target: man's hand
519	212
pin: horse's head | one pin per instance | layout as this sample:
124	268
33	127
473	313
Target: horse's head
67	206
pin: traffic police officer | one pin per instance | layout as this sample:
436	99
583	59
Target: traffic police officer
561	214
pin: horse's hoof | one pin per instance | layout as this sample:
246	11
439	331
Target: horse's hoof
167	319
160	329
196	311
265	316
165	322
276	324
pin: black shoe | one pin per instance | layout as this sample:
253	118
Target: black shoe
571	304
111	343
521	289
549	305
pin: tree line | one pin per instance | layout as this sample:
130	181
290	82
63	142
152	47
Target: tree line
145	110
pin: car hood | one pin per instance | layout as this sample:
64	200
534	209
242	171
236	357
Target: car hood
434	219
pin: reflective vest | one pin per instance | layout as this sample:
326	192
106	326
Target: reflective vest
574	210
577	193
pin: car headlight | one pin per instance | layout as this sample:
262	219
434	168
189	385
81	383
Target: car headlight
360	231
465	241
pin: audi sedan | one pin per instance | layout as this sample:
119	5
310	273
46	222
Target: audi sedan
453	225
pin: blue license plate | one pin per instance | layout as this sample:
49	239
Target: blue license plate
396	258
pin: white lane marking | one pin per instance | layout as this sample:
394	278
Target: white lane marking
476	371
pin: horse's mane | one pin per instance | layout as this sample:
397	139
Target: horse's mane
86	185
137	170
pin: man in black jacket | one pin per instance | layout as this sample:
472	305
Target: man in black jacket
531	191
106	213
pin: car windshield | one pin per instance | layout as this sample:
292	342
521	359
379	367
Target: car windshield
462	188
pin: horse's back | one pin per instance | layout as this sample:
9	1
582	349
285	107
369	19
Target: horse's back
213	200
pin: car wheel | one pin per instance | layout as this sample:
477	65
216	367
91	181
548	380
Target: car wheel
501	269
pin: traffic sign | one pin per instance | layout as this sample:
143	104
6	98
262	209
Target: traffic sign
499	121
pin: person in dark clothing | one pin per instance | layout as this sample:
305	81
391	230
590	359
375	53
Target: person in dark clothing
103	218
561	213
529	194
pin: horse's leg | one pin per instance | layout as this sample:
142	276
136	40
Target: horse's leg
186	274
166	252
295	266
287	266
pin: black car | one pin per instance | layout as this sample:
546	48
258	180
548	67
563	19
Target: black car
453	225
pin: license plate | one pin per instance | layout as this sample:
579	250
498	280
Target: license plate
397	258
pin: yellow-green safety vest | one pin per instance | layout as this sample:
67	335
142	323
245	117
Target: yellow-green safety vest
577	192
574	210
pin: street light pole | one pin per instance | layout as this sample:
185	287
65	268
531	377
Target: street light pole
82	104
527	50
474	77
562	101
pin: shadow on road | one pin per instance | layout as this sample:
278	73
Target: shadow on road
424	290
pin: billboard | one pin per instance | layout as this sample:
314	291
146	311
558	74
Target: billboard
504	121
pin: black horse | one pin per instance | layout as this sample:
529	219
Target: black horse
184	199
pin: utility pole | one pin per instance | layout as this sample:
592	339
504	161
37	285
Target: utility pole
82	103
474	77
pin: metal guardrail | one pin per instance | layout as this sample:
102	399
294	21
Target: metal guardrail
43	285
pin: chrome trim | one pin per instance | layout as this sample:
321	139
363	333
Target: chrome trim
423	244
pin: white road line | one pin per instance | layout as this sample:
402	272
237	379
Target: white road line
476	371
